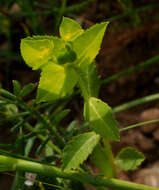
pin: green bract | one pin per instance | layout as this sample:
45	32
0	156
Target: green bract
87	45
56	81
70	29
37	52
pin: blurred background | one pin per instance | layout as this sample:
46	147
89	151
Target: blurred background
132	38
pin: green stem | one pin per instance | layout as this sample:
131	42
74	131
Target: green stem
74	8
46	170
59	16
15	116
78	7
136	102
139	124
147	63
134	11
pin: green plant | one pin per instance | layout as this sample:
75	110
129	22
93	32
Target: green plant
64	63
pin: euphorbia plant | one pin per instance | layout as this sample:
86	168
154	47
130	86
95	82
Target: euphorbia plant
64	63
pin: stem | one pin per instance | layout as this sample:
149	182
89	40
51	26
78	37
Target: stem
59	16
134	11
147	63
139	124
136	102
46	170
78	7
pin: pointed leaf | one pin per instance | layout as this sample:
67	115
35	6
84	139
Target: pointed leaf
129	159
56	81
87	45
27	89
36	52
102	158
89	80
78	149
101	120
70	29
16	87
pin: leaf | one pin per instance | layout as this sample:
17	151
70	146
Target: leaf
87	45
78	149
16	87
58	117
129	159
37	51
48	150
56	81
27	89
101	120
29	145
102	158
89	80
70	29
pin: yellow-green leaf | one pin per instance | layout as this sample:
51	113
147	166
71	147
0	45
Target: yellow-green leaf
70	29
87	45
101	120
56	81
36	52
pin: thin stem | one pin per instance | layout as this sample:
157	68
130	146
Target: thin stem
78	7
46	170
133	11
147	63
59	16
139	124
15	116
136	102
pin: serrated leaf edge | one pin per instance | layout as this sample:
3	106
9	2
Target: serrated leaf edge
67	147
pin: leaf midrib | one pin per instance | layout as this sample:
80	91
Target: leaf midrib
95	136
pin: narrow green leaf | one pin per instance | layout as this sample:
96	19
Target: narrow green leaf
78	149
129	159
42	145
87	45
60	115
101	120
27	89
48	150
29	145
56	81
70	29
36	51
16	87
